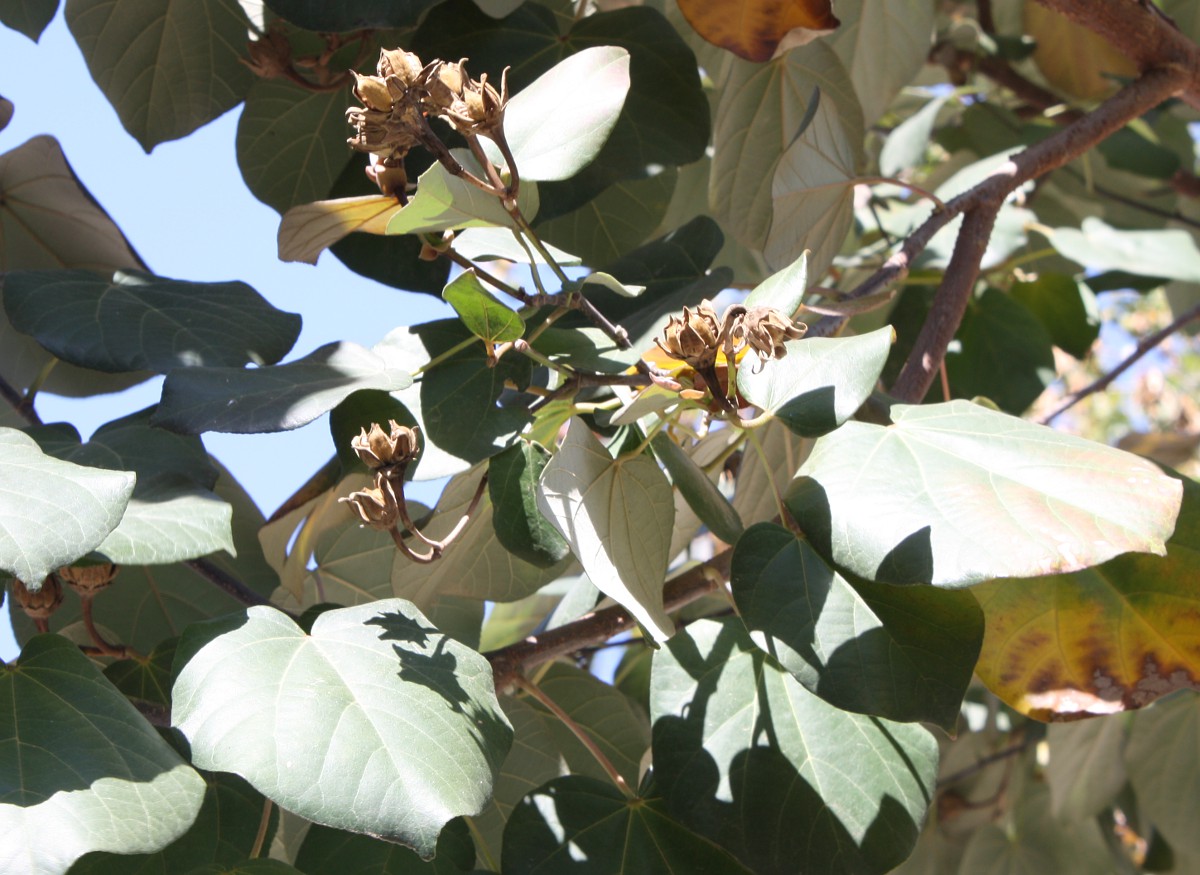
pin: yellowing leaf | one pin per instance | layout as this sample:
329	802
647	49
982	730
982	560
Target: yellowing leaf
307	231
753	29
1106	639
1074	59
617	515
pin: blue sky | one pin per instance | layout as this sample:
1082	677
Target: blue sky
186	210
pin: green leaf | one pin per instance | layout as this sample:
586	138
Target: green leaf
608	716
513	487
551	132
84	770
820	383
1130	150
146	678
1005	353
223	833
1066	309
275	398
350	15
487	244
906	145
444	201
167	68
744	754
29	17
48	221
480	311
769	461
52	512
581	825
457	400
1087	767
617	516
1162	763
408	716
953	494
1170	253
616	220
783	290
140	322
173	514
291	142
702	495
883	45
905	653
333	852
261	866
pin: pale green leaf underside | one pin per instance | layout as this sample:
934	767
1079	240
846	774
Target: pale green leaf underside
444	201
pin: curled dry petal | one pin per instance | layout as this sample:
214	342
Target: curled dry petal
405	66
693	337
379	449
377	506
373	91
765	330
42	604
88	579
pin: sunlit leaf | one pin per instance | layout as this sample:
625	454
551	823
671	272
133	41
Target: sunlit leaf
616	514
1170	253
52	512
820	383
480	311
167	68
486	244
906	144
308	230
84	770
744	754
1101	640
136	321
884	45
274	398
783	290
582	825
953	494
1073	58
391	728
905	653
753	29
291	142
445	201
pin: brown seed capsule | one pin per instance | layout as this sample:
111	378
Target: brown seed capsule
373	91
405	66
376	505
379	449
481	108
42	604
765	330
693	337
88	580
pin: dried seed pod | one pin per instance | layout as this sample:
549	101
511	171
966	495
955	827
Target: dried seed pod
765	331
377	505
380	450
87	580
694	337
42	604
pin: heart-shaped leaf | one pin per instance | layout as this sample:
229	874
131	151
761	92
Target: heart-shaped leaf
139	322
375	722
275	398
617	516
83	769
953	494
820	383
308	230
905	653
577	816
744	754
52	512
29	17
445	201
480	311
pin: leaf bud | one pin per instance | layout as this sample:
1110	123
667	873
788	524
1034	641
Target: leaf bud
87	580
39	605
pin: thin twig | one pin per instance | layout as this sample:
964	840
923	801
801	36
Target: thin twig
19	403
1145	345
226	581
260	838
117	651
982	763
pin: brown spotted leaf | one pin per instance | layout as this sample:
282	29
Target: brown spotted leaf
1106	639
753	29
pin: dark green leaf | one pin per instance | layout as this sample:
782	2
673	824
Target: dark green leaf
53	512
167	68
83	769
410	717
1066	309
333	852
355	414
1119	280
274	398
147	678
698	490
820	383
513	487
745	755
223	833
291	142
29	17
1005	353
350	14
480	311
261	866
953	494
1127	149
581	825
905	653
139	322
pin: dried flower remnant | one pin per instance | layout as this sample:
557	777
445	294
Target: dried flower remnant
87	580
388	452
40	605
693	337
377	506
765	330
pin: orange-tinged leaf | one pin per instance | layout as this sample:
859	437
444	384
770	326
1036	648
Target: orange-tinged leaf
308	230
753	29
1075	60
1106	639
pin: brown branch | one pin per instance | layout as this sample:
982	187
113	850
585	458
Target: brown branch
234	587
18	403
598	626
1144	346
